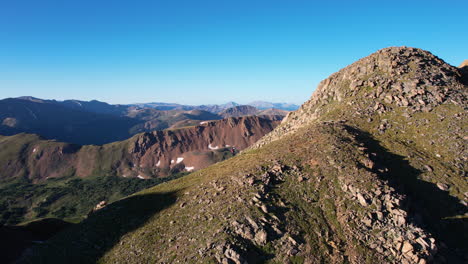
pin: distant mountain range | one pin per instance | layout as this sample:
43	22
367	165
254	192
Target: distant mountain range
95	122
119	109
214	108
262	105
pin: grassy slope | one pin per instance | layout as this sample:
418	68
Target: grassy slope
68	198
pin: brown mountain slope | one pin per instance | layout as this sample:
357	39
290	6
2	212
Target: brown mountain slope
370	170
194	147
158	153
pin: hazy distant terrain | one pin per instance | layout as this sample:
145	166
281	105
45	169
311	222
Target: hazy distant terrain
94	122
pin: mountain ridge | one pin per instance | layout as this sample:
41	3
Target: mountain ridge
322	96
99	123
149	154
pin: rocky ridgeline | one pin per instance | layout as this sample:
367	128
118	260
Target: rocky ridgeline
410	78
384	223
385	229
250	231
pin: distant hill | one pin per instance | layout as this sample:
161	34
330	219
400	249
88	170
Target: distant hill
88	122
241	110
152	119
96	107
247	110
273	112
95	122
262	105
213	108
56	121
87	106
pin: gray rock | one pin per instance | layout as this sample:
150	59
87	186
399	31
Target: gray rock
261	237
428	168
407	247
234	256
442	186
362	200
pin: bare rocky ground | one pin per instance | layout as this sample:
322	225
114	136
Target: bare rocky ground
370	170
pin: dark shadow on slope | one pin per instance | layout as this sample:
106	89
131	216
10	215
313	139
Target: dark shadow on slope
15	239
88	241
464	74
428	206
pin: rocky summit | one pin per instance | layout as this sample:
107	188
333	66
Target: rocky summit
372	169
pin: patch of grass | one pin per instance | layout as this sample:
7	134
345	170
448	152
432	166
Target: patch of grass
68	198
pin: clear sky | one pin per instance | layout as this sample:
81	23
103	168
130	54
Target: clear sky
200	51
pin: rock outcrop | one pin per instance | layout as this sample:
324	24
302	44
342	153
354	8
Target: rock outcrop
410	78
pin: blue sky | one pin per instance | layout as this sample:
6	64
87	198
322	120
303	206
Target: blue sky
196	52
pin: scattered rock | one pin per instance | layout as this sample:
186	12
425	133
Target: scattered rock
233	255
100	205
442	186
407	247
362	200
293	252
428	168
261	237
264	208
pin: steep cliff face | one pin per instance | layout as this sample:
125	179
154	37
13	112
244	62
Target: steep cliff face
372	169
146	155
197	147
